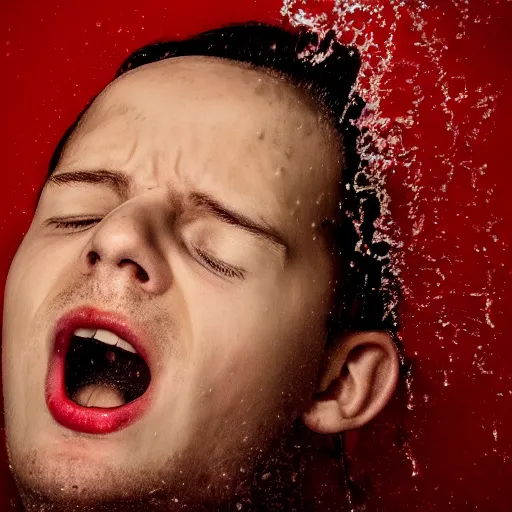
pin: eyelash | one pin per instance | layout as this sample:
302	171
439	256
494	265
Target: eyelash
214	264
219	267
72	223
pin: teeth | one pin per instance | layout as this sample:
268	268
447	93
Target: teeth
105	337
125	346
85	333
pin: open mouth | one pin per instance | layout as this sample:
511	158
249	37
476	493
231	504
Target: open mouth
103	370
98	379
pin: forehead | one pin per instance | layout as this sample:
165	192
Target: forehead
210	90
255	130
207	80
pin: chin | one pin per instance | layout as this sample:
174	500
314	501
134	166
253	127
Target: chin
62	480
72	474
65	484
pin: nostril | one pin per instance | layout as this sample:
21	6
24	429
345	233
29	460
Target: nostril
140	273
93	257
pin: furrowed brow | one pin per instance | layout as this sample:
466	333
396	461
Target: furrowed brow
116	180
230	216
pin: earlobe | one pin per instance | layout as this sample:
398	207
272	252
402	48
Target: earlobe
358	379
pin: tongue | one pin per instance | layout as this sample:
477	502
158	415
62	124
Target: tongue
98	395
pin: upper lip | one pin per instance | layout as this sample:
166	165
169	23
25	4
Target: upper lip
90	317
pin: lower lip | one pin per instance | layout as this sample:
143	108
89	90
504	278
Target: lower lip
90	420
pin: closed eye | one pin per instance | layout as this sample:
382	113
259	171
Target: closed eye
219	267
72	223
79	224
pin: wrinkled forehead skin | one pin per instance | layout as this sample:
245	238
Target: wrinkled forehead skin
183	116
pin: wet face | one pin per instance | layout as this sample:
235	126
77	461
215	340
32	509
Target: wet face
165	315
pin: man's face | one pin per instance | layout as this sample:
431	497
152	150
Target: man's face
200	246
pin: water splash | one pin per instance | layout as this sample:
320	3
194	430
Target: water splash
383	144
389	147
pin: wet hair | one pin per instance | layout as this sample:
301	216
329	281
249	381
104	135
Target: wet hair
327	71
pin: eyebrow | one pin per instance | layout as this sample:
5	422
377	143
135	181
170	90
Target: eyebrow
237	219
117	181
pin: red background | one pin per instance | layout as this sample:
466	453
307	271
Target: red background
438	77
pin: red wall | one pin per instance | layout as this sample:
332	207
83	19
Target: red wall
440	86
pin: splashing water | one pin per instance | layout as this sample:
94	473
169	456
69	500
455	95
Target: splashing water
402	85
382	144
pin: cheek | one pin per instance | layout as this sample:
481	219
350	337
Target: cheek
37	268
23	357
255	348
37	271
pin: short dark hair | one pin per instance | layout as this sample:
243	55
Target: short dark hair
327	70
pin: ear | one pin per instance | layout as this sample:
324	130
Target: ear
358	379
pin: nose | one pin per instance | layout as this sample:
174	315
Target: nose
125	249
